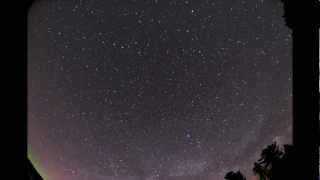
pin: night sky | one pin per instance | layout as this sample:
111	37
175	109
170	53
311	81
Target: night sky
156	89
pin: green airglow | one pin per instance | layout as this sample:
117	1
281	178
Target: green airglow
36	163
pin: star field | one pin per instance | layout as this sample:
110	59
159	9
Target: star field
159	89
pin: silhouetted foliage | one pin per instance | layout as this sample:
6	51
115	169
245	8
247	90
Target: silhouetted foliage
274	164
258	169
234	176
270	156
283	168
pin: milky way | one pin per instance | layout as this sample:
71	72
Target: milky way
158	89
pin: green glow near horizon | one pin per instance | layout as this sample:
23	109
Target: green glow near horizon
36	164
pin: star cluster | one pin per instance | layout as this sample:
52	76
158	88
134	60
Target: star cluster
156	89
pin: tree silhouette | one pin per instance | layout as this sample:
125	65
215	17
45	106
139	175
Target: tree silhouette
283	168
274	163
259	170
234	176
270	156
